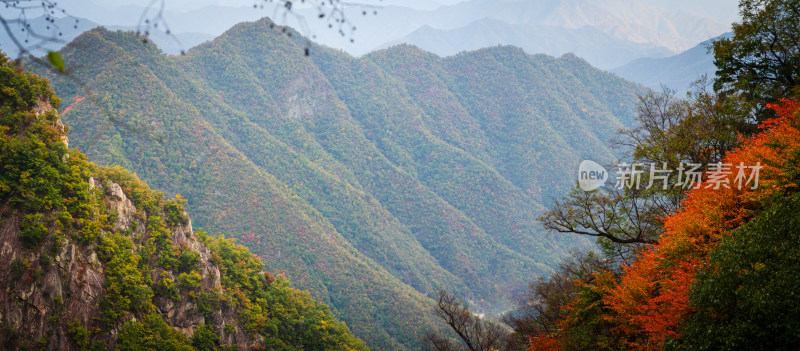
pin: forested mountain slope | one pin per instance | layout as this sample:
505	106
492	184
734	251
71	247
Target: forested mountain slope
369	181
93	259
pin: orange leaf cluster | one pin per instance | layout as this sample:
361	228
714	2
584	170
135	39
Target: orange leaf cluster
544	343
649	302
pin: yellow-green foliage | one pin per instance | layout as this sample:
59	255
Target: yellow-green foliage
47	185
151	333
297	318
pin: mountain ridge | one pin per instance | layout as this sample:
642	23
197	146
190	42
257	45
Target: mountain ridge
347	174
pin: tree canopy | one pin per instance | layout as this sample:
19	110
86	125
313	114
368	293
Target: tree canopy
760	63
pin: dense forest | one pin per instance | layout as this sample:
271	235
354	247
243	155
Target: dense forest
94	259
370	182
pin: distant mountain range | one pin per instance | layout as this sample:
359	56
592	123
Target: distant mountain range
370	182
630	20
606	33
676	72
601	49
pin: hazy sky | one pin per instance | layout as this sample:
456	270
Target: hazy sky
721	10
724	11
200	3
392	23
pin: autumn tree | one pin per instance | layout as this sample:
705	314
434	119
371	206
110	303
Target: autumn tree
745	295
649	303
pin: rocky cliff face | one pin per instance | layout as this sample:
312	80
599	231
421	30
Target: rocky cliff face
39	293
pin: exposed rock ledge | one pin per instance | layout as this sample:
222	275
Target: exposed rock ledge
71	286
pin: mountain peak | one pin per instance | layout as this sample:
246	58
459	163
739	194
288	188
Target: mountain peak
411	53
575	59
111	44
501	50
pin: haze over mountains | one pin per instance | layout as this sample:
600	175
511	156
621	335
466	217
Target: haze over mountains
593	29
607	33
603	50
676	72
368	181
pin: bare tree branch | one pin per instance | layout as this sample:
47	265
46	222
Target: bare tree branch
619	216
475	333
